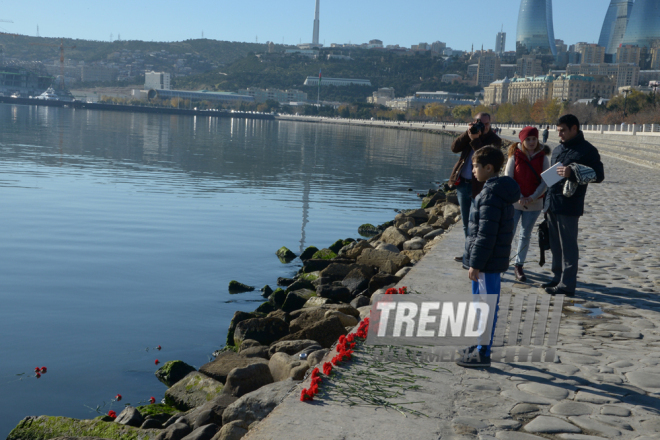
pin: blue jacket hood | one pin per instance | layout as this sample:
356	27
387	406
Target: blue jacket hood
504	187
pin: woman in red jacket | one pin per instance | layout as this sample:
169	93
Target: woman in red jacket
527	160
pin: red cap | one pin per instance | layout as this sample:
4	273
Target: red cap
527	132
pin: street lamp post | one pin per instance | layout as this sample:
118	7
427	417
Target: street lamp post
626	91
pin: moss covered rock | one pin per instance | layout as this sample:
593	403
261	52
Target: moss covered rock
308	252
193	390
46	427
173	371
277	298
157	409
266	307
367	230
324	254
285	255
236	287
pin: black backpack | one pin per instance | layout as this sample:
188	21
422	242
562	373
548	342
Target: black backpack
544	239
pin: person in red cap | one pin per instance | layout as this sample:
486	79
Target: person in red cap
527	160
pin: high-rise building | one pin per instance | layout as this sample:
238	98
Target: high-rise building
628	54
529	65
561	47
315	38
156	80
535	29
614	25
592	54
644	25
624	74
488	69
500	43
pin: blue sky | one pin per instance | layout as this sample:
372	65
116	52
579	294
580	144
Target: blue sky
394	21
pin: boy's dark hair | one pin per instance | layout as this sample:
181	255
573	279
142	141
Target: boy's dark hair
489	155
569	120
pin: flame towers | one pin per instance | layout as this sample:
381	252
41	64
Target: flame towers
644	25
535	28
315	37
615	24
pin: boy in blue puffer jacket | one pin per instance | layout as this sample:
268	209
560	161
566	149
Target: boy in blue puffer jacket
490	233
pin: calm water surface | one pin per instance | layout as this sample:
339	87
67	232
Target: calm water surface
120	232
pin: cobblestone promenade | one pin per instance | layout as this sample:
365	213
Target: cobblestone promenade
605	382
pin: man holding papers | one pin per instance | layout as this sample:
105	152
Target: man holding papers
575	163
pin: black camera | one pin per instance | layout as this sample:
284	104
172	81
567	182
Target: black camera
477	127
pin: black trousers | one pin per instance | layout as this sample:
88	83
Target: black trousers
564	247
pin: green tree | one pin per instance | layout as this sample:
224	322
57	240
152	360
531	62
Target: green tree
462	113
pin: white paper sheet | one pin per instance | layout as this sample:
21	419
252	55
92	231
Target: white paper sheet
550	176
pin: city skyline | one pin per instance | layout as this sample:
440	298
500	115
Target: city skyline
258	20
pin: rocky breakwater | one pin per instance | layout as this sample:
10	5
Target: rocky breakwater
270	350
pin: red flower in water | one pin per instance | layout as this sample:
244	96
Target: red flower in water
118	397
37	369
152	399
38	375
327	368
158	348
156	362
43	370
112	414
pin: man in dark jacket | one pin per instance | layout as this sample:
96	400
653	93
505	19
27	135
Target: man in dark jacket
489	238
564	212
461	178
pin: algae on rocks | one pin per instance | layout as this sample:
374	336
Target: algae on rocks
324	254
173	371
236	287
45	427
285	255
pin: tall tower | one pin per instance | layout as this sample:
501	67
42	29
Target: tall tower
535	27
500	43
315	38
644	25
614	25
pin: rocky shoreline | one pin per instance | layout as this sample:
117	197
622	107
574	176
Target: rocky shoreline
272	349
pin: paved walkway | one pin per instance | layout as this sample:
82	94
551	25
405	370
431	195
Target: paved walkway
605	384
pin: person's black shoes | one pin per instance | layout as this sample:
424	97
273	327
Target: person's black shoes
518	272
459	259
474	359
550	284
558	291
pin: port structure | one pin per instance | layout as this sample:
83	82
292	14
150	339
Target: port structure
62	47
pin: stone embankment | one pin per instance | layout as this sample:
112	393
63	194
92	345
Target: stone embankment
269	351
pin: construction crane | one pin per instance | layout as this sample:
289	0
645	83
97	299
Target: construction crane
62	47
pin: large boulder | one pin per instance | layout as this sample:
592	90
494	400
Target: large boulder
324	254
419	215
325	332
308	252
388	262
283	366
300	283
354	249
306	318
394	236
414	244
241	381
296	300
435	233
290	347
415	255
451	211
176	431
238	317
358	278
237	287
235	430
256	405
337	245
433	200
316	301
388	247
419	231
344	308
226	361
346	320
193	390
335	272
211	411
130	416
381	280
277	298
314	264
173	371
334	293
285	255
263	330
205	432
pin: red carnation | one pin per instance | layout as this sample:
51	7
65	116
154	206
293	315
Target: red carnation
38	375
152	399
306	395
37	369
156	362
390	291
327	368
112	414
43	370
403	290
158	348
118	397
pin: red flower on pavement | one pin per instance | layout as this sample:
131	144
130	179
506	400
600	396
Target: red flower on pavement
43	370
327	368
403	290
112	414
152	399
118	397
306	395
390	291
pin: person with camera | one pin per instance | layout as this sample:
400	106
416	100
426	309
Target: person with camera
477	136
